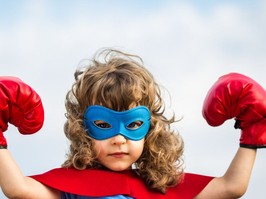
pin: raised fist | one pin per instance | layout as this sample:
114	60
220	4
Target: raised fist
21	106
240	97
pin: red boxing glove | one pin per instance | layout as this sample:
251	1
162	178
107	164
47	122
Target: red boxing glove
240	97
21	106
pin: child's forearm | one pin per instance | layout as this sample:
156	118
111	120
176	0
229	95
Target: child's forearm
11	179
15	185
233	184
238	174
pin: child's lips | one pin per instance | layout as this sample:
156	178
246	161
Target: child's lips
118	154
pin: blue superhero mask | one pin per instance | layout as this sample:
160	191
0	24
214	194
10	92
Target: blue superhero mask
103	123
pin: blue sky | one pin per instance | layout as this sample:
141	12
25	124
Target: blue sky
187	45
61	11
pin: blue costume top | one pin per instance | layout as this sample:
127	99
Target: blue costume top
74	196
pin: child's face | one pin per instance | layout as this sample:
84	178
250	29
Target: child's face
118	153
118	136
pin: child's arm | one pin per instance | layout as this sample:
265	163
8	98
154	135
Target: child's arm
15	185
235	181
239	97
21	106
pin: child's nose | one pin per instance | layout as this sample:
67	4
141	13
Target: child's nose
118	139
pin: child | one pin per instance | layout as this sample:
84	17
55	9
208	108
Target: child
121	144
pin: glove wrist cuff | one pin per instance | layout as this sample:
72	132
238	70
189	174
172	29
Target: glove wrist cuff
249	146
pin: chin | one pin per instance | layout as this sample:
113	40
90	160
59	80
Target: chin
119	168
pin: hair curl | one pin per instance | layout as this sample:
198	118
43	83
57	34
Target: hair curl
117	80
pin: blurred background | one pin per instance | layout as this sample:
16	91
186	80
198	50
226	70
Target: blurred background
187	45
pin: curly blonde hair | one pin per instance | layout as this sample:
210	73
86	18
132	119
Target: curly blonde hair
116	80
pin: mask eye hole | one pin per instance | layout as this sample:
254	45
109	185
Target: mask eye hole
102	124
134	125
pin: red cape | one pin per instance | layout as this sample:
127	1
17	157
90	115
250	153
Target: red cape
101	183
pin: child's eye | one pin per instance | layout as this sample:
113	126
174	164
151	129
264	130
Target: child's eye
102	124
134	125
